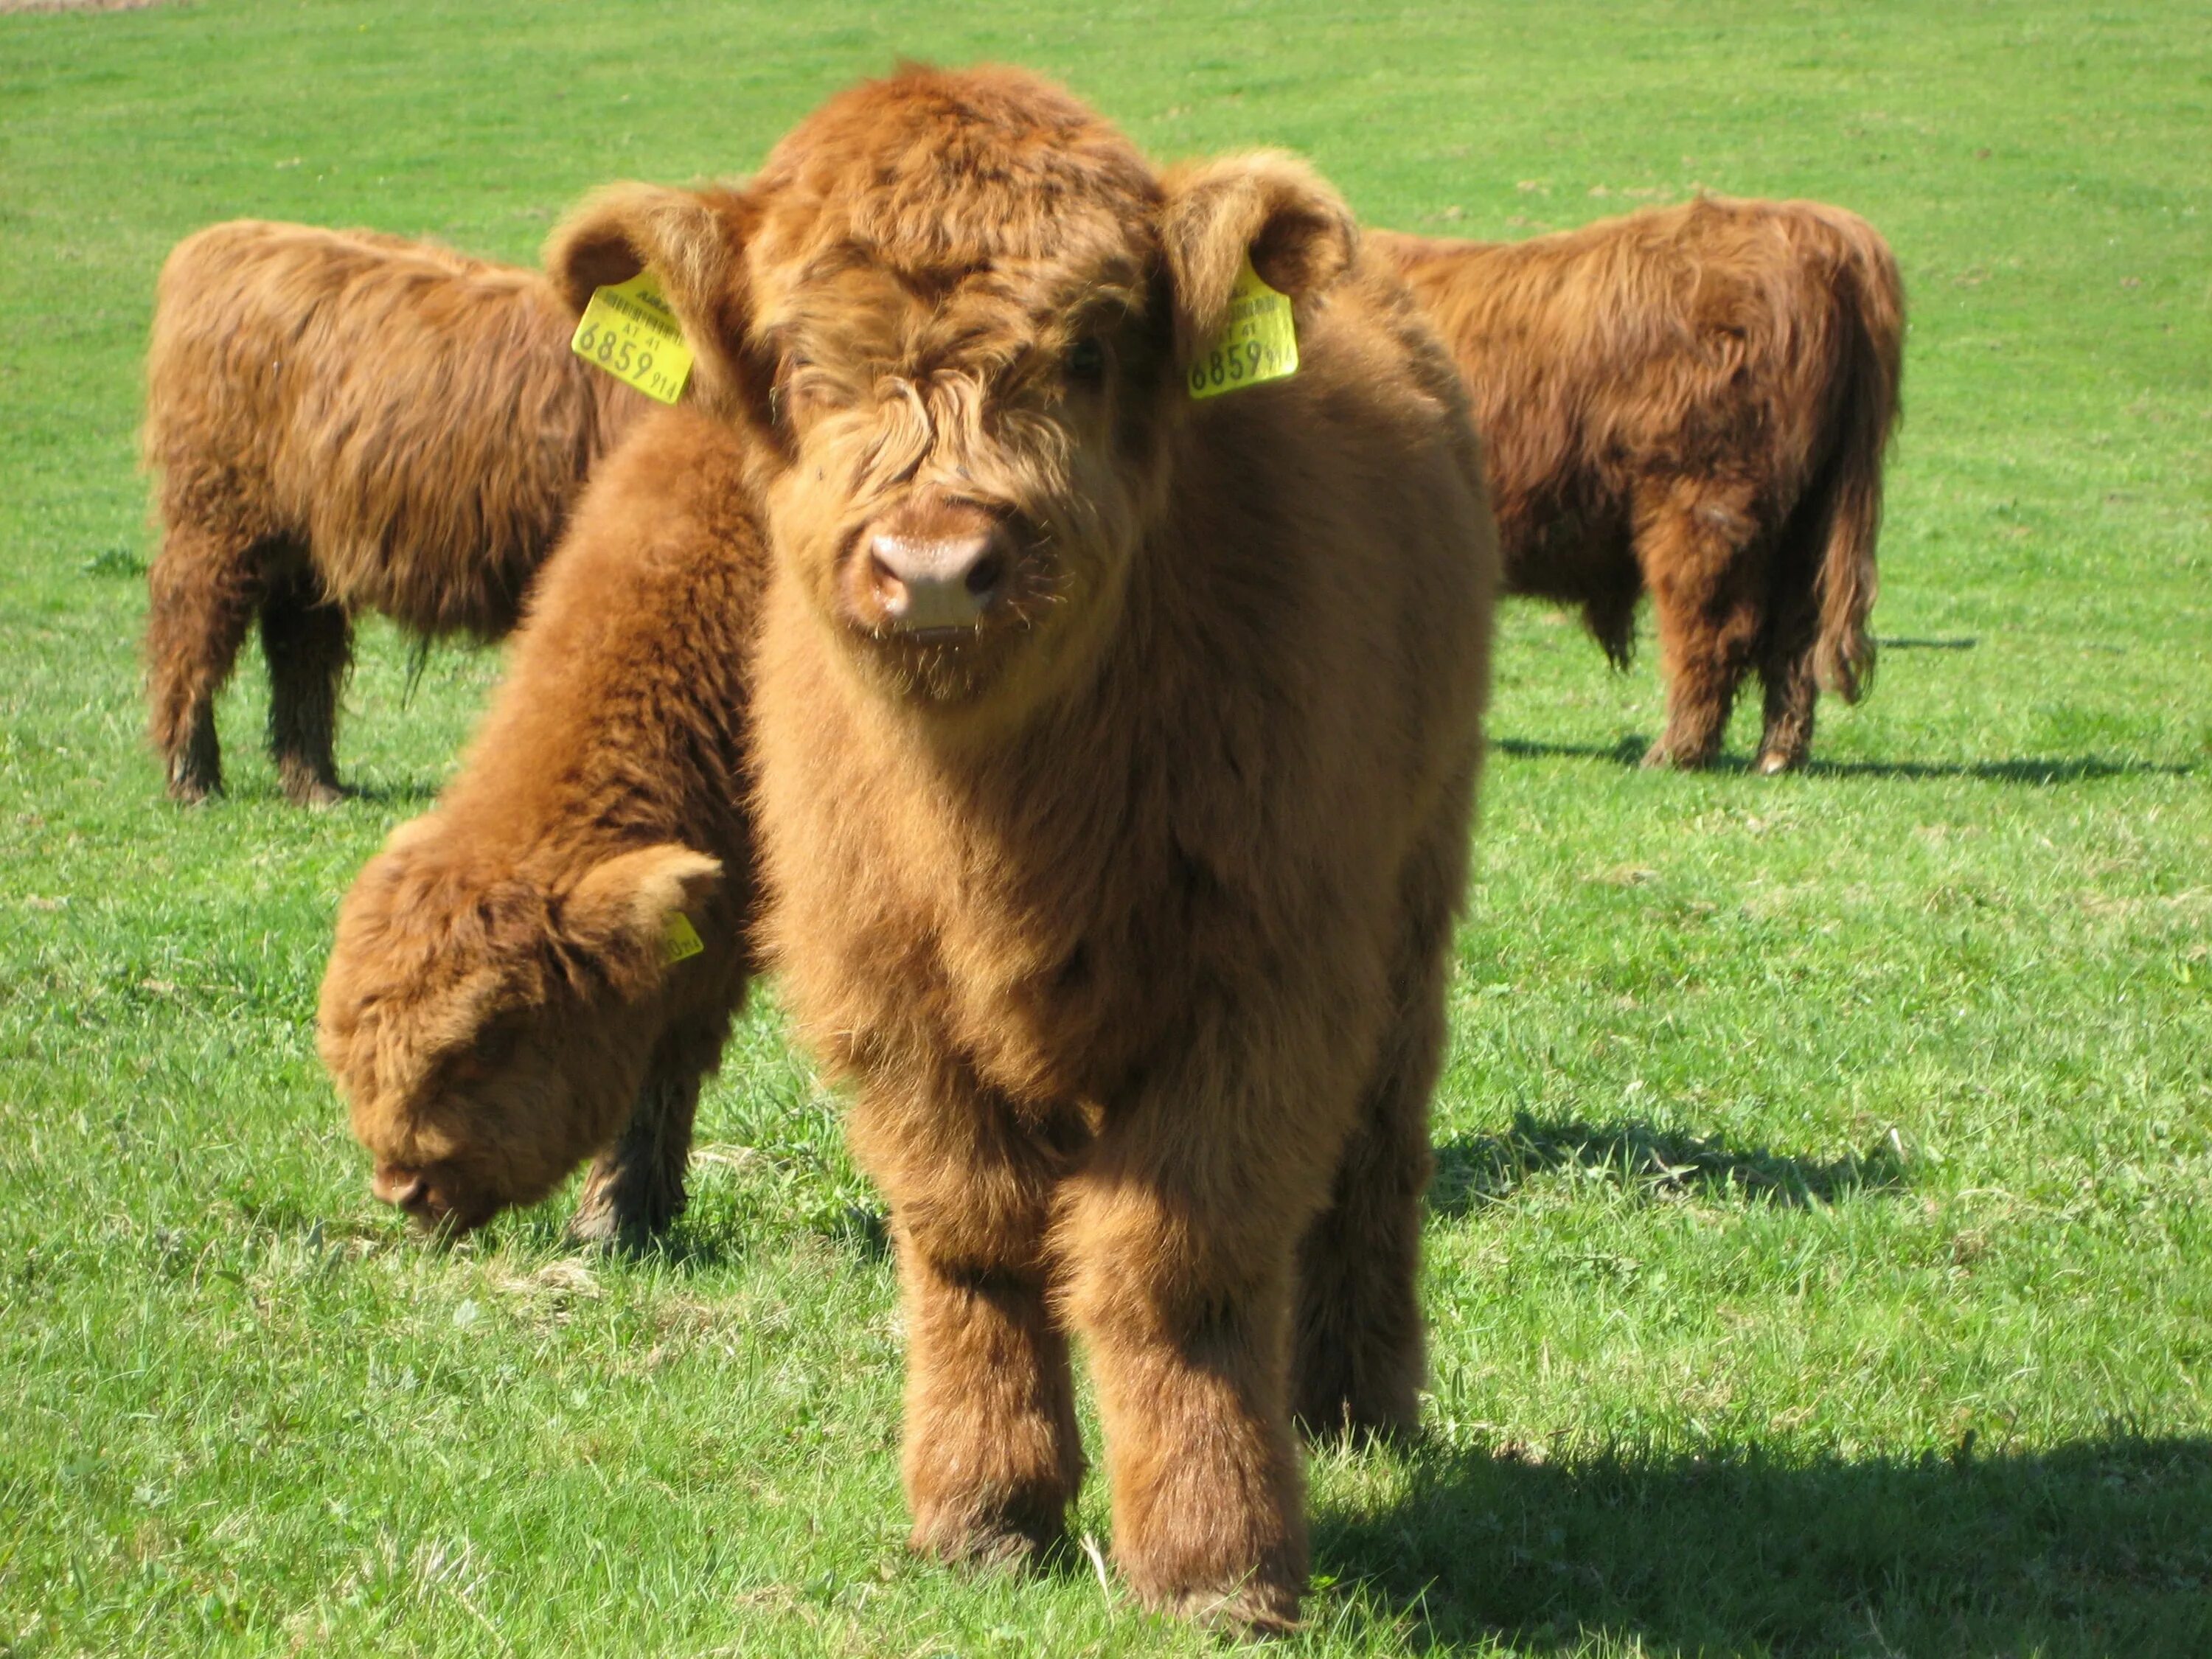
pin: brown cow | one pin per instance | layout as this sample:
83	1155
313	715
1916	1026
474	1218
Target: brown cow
500	998
1694	400
346	421
1114	763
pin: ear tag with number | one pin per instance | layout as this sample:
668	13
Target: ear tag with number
679	939
629	330
1257	340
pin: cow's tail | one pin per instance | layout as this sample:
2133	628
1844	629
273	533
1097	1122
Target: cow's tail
1870	322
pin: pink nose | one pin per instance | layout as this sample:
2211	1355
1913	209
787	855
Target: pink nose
402	1189
946	582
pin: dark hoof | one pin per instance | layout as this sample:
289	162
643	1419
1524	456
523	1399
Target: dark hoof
1660	757
616	1215
987	1544
316	792
1250	1609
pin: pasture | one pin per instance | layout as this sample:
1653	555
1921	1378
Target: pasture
1820	1254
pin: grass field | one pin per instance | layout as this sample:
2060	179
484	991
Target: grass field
1821	1250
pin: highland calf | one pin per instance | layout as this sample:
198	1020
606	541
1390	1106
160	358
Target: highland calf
503	1000
1113	760
1695	401
345	422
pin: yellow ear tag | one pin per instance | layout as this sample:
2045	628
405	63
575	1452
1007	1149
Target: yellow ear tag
1257	341
679	939
629	332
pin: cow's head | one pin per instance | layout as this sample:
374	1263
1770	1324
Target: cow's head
483	1027
959	308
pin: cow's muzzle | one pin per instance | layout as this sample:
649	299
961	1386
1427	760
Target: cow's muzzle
922	585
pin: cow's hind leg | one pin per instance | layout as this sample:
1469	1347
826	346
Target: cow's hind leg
1785	659
1791	692
309	645
203	592
1698	550
1357	1359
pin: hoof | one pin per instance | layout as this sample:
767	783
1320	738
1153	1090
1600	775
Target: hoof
602	1227
316	794
1773	762
1660	757
192	782
1000	1541
1249	1609
624	1210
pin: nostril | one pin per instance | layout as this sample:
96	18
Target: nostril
985	574
890	587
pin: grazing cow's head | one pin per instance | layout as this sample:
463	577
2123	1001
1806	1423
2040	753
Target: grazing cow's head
483	1027
959	306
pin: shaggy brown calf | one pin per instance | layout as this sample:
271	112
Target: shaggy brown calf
1114	759
345	422
500	1001
1694	400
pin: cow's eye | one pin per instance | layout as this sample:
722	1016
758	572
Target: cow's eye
1086	361
786	391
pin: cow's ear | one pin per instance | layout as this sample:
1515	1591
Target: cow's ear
692	242
622	912
1266	206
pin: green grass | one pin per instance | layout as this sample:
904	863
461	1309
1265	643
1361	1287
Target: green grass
1821	1254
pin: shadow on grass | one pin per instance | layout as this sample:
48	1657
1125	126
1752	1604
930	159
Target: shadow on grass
2097	1548
1476	1169
693	1247
405	791
1629	752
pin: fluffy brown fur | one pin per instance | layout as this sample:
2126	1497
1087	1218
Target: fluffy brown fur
346	421
499	1005
1694	400
1125	904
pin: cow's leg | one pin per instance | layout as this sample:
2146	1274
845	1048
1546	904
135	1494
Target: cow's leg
993	1458
634	1191
1358	1362
1791	693
309	643
1179	1239
1696	548
203	592
1785	665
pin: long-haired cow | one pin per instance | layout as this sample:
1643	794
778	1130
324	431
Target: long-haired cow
1113	760
345	422
1694	400
503	1000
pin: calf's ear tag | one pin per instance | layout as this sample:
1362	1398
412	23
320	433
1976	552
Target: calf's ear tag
1257	341
629	330
679	939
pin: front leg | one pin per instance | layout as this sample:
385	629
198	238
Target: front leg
993	1457
634	1191
1179	1239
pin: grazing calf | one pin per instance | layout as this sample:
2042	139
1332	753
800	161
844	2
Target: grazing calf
344	422
1694	400
500	1002
1115	754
